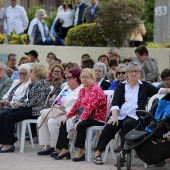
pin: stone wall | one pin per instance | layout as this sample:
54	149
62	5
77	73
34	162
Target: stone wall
74	54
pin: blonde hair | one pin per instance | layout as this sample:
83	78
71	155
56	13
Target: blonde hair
1	2
40	11
39	70
91	72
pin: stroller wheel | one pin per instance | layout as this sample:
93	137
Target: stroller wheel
118	161
128	159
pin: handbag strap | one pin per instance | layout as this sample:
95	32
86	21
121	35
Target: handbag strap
45	118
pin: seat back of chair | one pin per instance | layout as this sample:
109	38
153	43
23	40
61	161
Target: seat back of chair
109	96
151	100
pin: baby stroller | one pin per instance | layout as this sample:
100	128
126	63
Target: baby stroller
149	138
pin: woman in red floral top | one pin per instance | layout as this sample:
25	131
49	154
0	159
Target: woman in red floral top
93	99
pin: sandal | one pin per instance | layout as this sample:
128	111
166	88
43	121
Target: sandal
98	160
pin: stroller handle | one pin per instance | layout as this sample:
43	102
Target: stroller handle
146	113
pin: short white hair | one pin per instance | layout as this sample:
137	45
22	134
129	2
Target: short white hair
40	11
100	64
25	66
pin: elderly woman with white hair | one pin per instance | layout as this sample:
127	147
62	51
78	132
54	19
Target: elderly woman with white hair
38	31
129	96
18	87
100	73
28	107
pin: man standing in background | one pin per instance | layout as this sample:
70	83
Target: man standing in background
91	13
80	7
16	18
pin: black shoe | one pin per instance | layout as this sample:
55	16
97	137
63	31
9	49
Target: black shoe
82	158
27	138
48	152
12	149
161	164
55	153
66	155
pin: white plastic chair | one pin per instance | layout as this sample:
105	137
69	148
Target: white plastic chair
156	96
26	123
109	95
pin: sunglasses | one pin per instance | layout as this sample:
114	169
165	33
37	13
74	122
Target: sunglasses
123	73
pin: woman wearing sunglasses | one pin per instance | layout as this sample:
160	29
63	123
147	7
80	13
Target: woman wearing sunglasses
120	76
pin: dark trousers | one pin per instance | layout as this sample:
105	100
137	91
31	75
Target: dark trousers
81	134
63	141
81	131
8	119
109	132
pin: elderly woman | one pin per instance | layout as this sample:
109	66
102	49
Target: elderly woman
100	72
92	98
23	60
120	76
55	78
38	31
49	131
129	96
18	87
28	107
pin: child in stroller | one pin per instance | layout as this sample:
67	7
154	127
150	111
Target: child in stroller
150	137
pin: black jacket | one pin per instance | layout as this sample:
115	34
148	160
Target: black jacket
80	15
145	90
105	85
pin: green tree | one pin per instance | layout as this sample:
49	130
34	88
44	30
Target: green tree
149	19
117	21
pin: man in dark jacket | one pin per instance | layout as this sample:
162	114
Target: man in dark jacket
91	13
80	7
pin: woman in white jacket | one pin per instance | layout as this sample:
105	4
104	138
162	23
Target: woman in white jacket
49	131
18	87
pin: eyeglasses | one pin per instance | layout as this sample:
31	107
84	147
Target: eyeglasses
110	53
123	73
2	69
67	78
23	74
99	71
56	71
13	60
133	71
84	77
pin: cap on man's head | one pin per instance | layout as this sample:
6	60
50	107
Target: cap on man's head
32	52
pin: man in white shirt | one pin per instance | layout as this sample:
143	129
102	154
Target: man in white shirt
80	7
16	18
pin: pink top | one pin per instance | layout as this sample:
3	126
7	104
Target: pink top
93	100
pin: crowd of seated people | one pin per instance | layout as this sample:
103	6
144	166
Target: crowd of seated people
74	88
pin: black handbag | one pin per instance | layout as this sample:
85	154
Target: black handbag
136	135
79	112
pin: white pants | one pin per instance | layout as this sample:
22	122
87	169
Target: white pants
49	131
